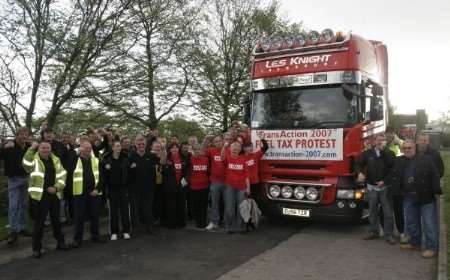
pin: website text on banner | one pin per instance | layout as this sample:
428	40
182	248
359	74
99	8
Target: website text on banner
310	144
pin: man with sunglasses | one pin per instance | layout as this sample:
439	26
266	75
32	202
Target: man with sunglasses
142	174
417	177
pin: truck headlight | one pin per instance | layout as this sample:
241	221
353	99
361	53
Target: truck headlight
286	191
299	193
312	193
274	191
350	194
345	194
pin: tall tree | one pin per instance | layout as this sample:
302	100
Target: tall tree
99	27
26	30
223	56
155	64
59	45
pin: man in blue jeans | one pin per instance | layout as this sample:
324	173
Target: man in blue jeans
217	177
417	178
12	153
376	166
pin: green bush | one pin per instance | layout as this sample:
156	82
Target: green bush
446	140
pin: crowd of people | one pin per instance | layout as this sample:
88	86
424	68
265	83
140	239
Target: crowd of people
151	182
403	178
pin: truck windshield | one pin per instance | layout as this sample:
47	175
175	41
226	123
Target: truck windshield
303	108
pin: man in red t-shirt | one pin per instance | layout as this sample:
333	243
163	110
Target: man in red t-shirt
199	183
252	160
217	177
237	180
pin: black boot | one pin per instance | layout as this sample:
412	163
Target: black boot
62	246
37	254
26	233
12	238
76	244
149	230
98	239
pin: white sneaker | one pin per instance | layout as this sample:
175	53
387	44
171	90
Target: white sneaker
126	235
211	226
404	238
113	237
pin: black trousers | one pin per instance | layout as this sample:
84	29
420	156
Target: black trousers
135	217
399	213
158	203
189	204
145	203
118	205
141	206
200	206
174	208
39	210
86	208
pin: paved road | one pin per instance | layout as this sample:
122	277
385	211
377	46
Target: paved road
276	251
335	252
171	254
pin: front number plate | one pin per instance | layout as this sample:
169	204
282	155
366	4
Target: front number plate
296	212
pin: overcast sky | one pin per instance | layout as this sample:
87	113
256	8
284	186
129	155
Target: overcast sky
417	35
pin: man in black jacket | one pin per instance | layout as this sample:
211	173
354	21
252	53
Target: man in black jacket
12	153
423	147
376	165
69	162
418	179
142	181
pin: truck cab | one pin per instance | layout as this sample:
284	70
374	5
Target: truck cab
317	99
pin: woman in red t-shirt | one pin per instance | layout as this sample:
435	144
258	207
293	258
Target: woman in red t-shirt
237	180
174	171
252	160
199	182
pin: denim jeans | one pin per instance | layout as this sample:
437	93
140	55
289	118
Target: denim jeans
377	198
216	191
18	203
418	216
233	198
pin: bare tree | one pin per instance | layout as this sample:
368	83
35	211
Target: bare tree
27	29
224	55
98	27
154	72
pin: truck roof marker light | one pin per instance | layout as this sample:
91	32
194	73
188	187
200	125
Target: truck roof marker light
340	36
277	43
327	35
265	44
300	40
313	37
258	48
288	42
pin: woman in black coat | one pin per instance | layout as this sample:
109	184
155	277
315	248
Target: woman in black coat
114	177
174	171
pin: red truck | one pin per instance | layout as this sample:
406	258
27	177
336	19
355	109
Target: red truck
317	98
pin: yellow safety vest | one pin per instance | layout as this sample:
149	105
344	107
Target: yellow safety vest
33	164
396	148
78	176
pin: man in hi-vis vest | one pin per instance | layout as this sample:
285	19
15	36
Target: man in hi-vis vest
86	194
47	180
